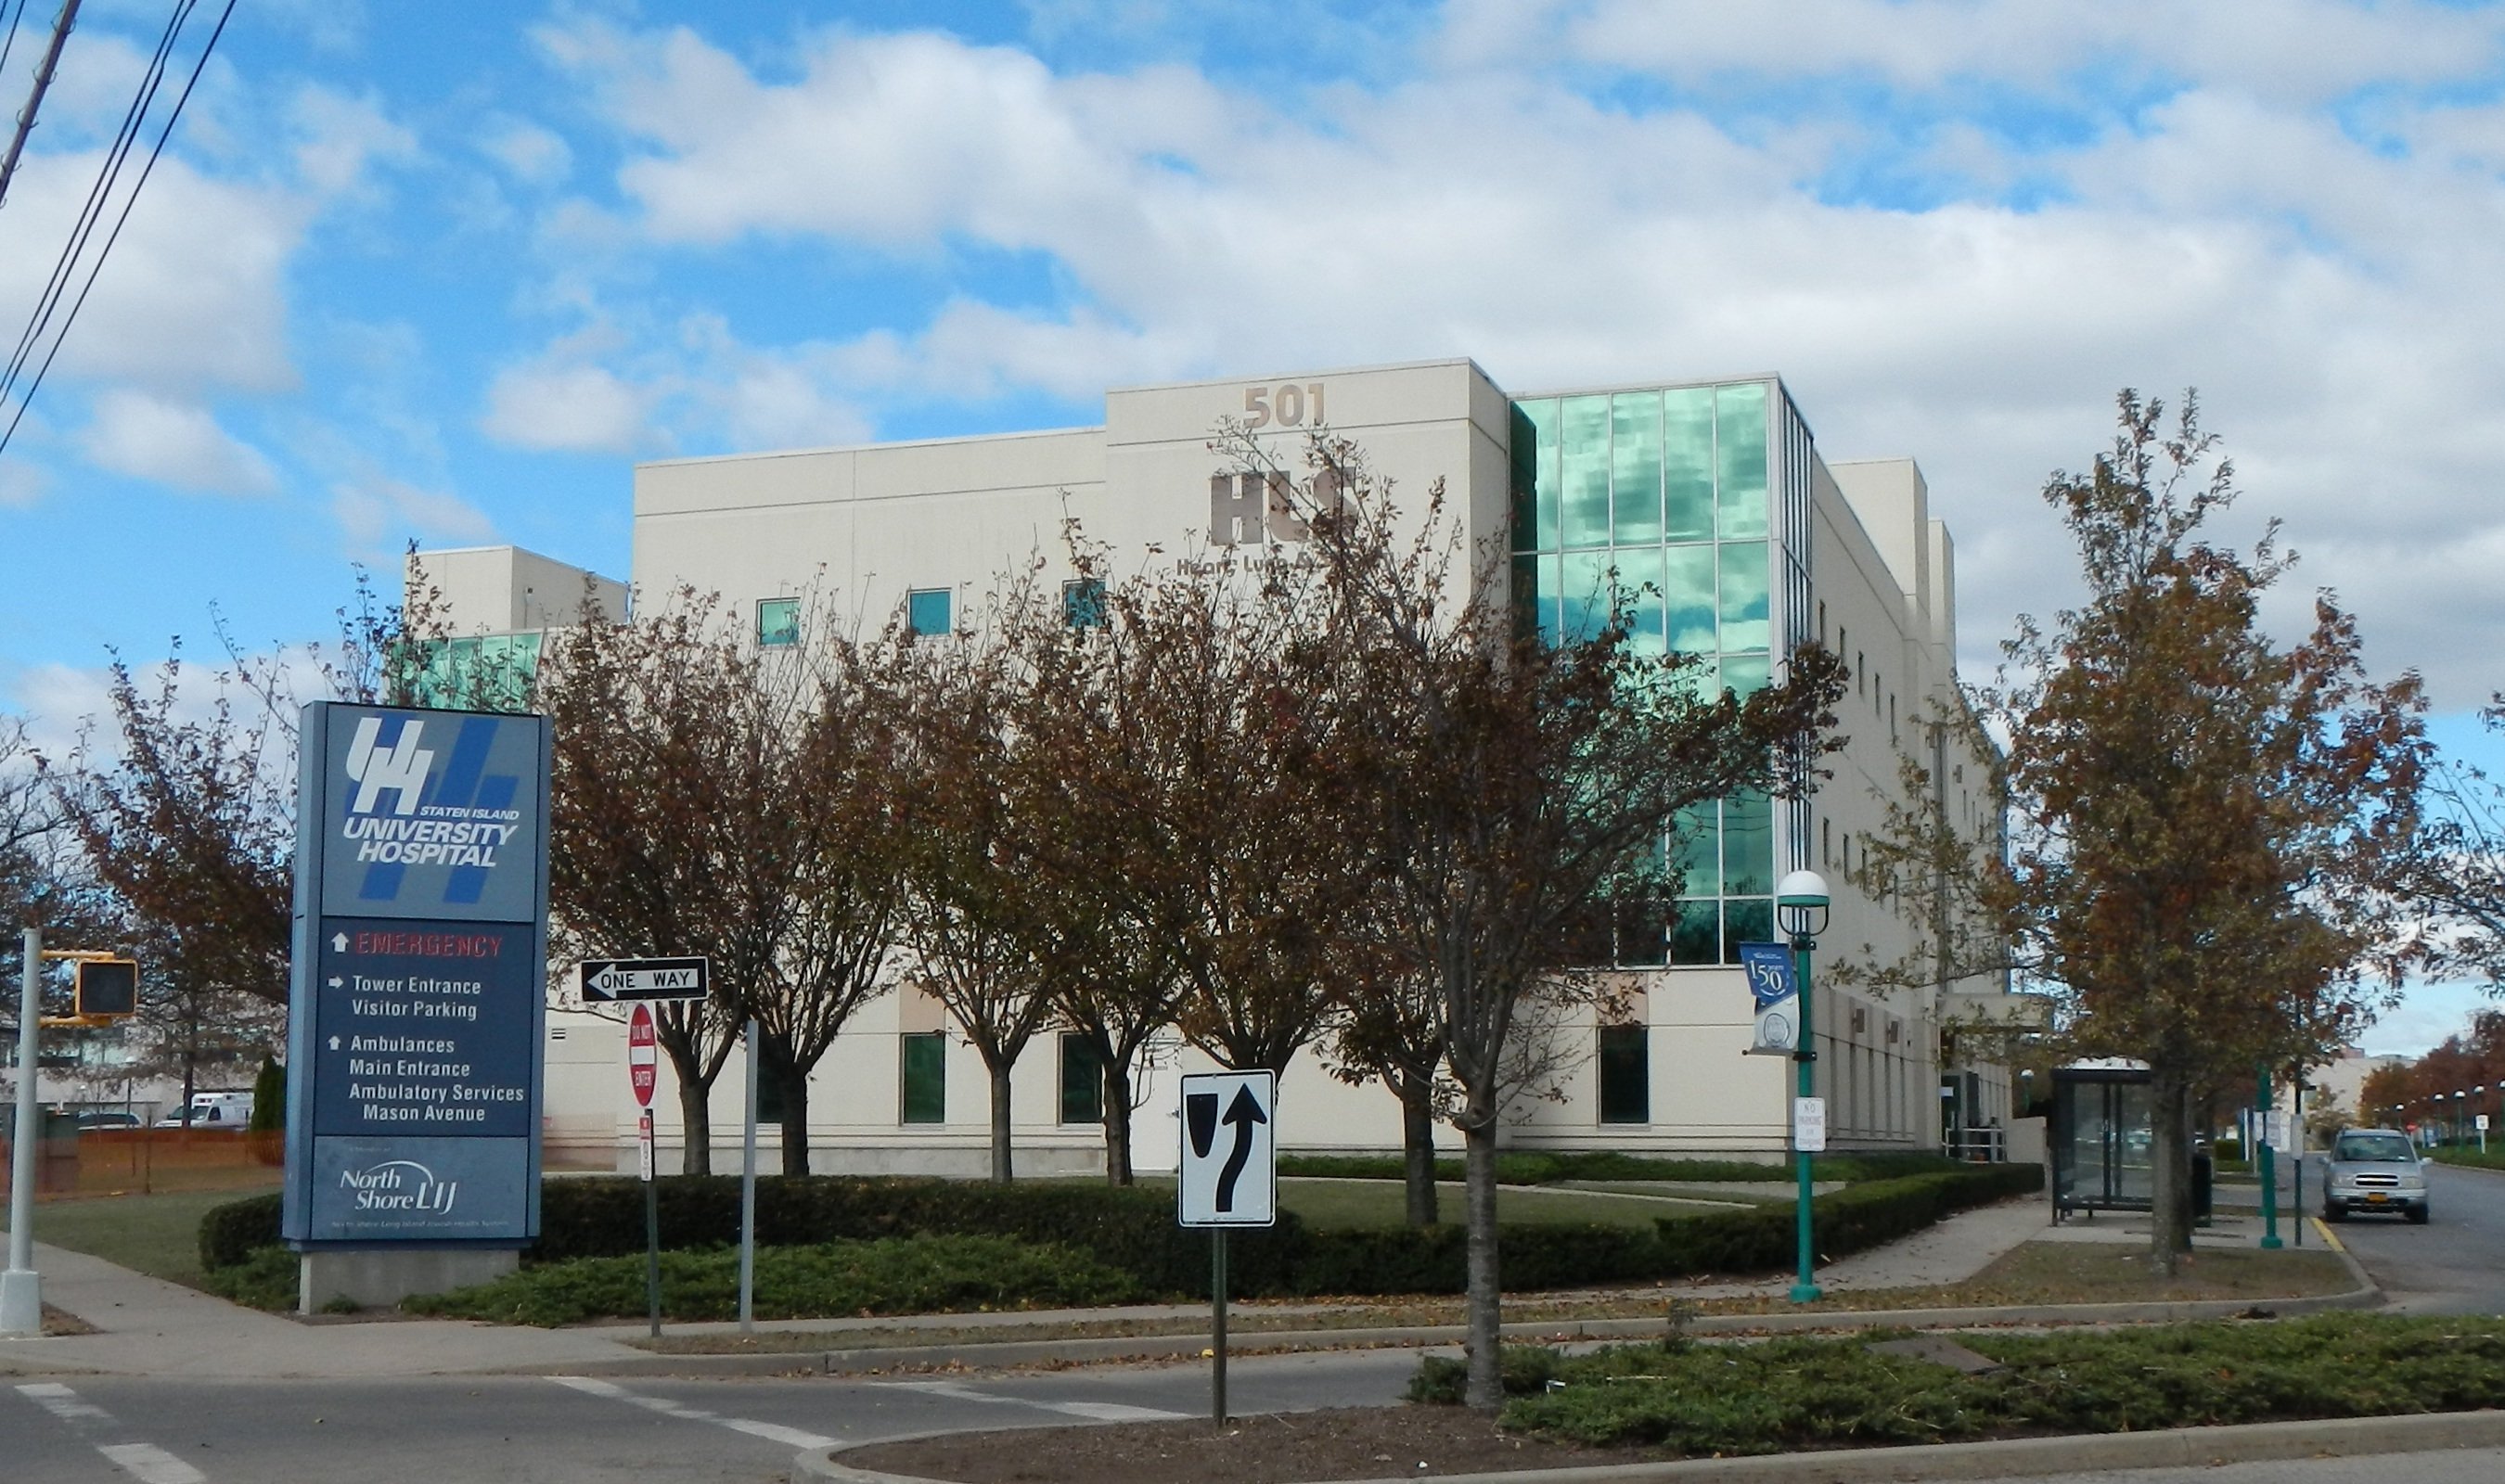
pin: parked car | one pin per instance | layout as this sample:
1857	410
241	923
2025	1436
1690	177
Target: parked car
231	1111
2374	1170
109	1118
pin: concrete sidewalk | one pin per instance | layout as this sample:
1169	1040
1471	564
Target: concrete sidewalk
149	1327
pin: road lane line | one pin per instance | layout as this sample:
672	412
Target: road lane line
145	1462
1093	1411
151	1465
772	1433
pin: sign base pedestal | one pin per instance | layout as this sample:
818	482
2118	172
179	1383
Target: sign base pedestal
22	1304
376	1278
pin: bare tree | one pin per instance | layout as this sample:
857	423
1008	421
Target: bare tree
967	910
1503	785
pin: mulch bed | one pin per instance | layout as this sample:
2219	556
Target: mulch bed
1415	1442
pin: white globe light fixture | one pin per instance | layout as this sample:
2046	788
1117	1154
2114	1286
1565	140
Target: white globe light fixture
1800	905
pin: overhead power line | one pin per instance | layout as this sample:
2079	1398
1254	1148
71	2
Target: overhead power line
99	196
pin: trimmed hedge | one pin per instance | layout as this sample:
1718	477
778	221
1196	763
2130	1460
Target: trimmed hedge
1132	1231
1547	1168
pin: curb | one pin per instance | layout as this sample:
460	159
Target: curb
2181	1448
994	1355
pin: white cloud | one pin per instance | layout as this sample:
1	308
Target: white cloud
2318	285
528	151
172	442
575	408
379	515
21	483
338	136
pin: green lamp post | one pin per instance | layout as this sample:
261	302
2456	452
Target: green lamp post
1800	911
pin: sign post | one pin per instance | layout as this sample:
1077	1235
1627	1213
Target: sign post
1227	1175
642	1072
418	999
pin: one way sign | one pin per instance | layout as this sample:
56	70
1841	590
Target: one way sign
607	980
1230	1171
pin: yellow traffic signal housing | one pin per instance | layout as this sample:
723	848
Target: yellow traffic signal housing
107	989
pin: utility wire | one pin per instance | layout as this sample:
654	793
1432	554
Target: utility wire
10	41
98	195
155	151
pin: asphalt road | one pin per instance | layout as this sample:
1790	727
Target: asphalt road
560	1431
2454	1264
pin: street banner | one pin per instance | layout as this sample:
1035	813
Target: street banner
1768	967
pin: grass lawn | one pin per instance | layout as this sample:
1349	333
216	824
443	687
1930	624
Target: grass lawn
155	1234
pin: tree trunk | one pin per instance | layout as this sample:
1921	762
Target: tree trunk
794	1083
696	1116
1117	1123
1485	1390
1418	1151
2169	1156
1001	1173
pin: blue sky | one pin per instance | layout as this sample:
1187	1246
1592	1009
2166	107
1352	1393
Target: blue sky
445	272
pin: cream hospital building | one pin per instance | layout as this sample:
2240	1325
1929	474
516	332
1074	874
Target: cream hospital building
1711	497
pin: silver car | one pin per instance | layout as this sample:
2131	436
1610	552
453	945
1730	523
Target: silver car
2373	1169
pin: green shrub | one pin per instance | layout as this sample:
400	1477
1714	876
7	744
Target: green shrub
1444	1380
892	1275
1547	1168
1133	1231
1793	1393
2469	1154
268	1098
264	1279
233	1233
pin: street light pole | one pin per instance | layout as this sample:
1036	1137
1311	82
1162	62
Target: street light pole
21	1287
1800	908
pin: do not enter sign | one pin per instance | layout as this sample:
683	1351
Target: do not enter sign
642	1049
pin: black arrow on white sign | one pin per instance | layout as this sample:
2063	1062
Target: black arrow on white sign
1241	1116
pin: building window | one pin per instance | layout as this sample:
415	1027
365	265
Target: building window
1082	604
925	612
1626	1082
778	623
923	1075
1082	1080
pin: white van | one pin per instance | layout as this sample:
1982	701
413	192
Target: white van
229	1111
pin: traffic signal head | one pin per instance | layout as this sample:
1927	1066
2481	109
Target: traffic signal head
107	987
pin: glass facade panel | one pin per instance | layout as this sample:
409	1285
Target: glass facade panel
1635	466
1552	581
925	612
1748	845
1739	448
778	623
1745	920
1688	597
923	1078
1584	516
1082	604
1687	462
1748	612
1640	589
1697	838
1625	1081
1082	1080
1747	673
1696	938
1535	498
1526	617
1584	596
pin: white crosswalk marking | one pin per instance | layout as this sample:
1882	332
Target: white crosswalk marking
1093	1411
145	1462
773	1432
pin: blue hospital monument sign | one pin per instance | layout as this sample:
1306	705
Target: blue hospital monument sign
418	1000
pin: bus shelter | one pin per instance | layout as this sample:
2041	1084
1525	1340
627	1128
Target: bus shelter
2103	1134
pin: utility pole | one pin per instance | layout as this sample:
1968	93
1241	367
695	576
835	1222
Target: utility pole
43	80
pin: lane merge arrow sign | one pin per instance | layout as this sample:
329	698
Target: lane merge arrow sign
616	980
1228	1172
643	1047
